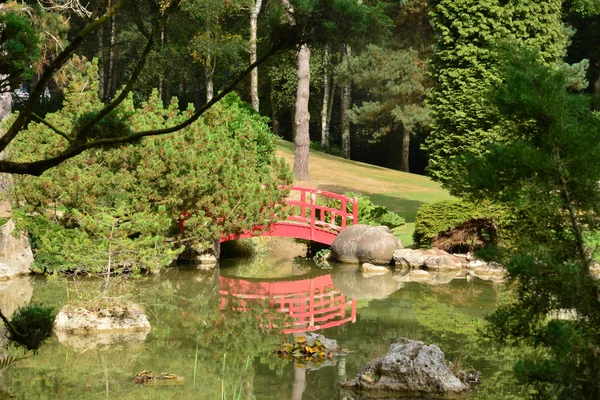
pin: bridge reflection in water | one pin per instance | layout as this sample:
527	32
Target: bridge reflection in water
312	303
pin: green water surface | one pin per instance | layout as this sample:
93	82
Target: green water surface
227	354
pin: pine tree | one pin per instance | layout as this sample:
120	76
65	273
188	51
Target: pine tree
548	172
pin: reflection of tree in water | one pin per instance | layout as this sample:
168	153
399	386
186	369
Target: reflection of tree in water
184	312
457	333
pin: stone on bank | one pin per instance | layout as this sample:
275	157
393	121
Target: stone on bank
409	368
118	318
15	252
359	244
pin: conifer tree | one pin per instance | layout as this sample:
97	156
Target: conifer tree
463	67
547	172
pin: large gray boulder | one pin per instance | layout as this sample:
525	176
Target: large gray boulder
15	252
409	367
359	244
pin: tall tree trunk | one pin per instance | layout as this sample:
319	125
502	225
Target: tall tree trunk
209	69
5	97
405	149
326	95
299	385
302	115
110	77
330	107
209	78
293	119
101	75
160	76
5	179
253	34
346	102
274	119
197	102
182	91
167	89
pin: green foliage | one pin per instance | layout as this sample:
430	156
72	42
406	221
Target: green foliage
6	361
394	83
18	49
31	326
549	172
585	7
464	67
475	224
330	149
123	205
374	214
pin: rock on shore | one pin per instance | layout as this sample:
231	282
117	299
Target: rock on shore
118	318
410	368
359	244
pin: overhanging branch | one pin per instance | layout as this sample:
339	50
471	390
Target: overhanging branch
36	168
30	105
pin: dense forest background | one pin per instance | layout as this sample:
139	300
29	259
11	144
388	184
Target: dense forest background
367	91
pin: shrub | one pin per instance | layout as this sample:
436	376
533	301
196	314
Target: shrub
330	149
31	326
370	213
121	207
457	225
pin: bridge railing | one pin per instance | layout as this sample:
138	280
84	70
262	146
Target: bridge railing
312	303
321	209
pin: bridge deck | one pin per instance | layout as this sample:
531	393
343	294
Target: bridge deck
315	215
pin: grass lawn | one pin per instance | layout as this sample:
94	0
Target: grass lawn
401	192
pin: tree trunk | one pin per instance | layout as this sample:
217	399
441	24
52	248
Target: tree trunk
5	179
209	70
299	385
197	103
274	119
253	33
101	93
302	118
110	79
346	102
182	91
209	78
405	149
5	105
293	119
330	107
160	76
167	88
326	94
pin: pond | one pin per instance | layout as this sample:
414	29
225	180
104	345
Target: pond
228	355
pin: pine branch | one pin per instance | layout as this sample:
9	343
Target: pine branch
39	119
36	168
26	115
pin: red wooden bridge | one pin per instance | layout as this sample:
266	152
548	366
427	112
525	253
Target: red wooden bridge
312	303
313	216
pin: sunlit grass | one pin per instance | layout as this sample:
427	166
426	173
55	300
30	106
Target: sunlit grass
401	192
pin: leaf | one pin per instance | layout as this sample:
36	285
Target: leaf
300	339
8	360
5	395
